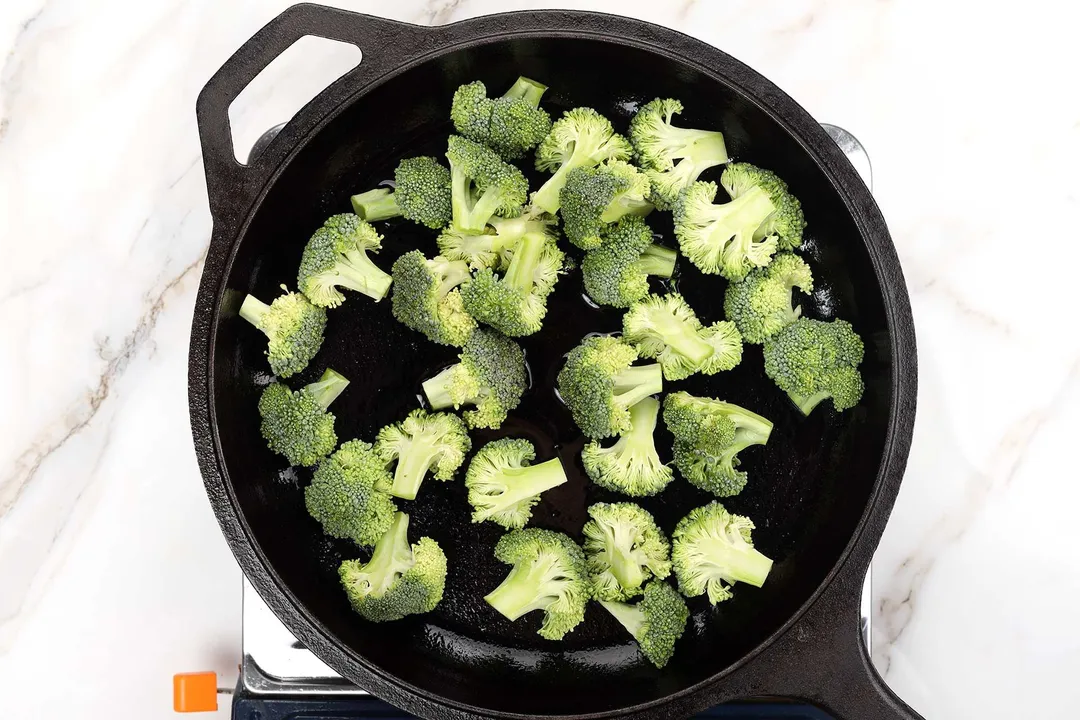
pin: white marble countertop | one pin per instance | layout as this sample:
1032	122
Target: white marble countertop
113	574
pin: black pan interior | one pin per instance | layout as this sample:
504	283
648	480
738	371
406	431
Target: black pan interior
808	487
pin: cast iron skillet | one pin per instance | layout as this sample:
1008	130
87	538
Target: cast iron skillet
820	492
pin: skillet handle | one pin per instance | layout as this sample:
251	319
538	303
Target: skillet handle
384	45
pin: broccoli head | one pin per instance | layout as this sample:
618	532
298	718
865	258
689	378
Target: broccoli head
490	376
814	360
599	385
720	239
421	193
656	623
712	550
509	125
549	574
760	305
665	327
297	424
482	185
293	327
624	549
672	157
400	579
336	256
421	443
515	303
595	197
631	466
347	496
617	273
504	486
786	222
582	137
426	297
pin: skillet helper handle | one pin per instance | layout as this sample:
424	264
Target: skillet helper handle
384	45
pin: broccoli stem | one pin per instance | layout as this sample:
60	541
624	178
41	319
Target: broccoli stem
327	388
253	310
525	588
682	338
411	468
807	403
392	556
460	202
738	561
358	272
526	258
657	260
709	147
377	204
623	207
629	616
525	482
547	197
637	383
748	210
437	389
643	416
531	90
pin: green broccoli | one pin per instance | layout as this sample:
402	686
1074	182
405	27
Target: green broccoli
786	223
665	327
595	197
504	486
624	549
813	360
656	623
337	256
482	185
549	574
760	305
631	466
426	297
712	550
708	437
516	303
582	137
399	579
347	494
297	424
617	273
599	386
658	144
421	443
493	247
489	376
293	326
421	193
720	239
509	125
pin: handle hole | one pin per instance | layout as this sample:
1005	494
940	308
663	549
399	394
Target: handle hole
288	83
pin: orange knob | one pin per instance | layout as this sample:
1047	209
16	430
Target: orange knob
195	692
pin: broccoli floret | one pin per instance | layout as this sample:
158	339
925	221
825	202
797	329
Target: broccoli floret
493	248
708	437
656	623
337	256
599	386
504	486
516	303
292	325
595	197
786	223
489	376
582	137
421	443
813	360
510	125
760	305
617	273
631	466
719	239
297	424
399	579
712	550
549	574
482	185
624	549
658	144
421	193
347	494
426	297
665	327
